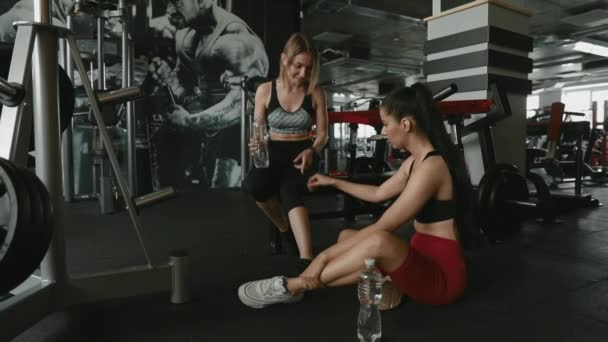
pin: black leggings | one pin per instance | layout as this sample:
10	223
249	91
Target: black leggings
281	177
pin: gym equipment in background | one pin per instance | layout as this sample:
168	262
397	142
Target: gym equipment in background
41	295
26	224
25	211
503	199
553	160
103	183
565	165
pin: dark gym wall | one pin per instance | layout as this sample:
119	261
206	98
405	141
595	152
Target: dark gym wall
5	5
274	21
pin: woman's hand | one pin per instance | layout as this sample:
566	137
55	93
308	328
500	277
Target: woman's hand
304	160
319	180
310	283
253	146
312	274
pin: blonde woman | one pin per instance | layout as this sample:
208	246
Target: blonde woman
289	106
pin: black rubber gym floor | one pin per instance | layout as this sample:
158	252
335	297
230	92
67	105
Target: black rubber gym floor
550	283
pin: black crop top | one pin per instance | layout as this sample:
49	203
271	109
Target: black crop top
434	210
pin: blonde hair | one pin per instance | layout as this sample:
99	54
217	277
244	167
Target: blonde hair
302	43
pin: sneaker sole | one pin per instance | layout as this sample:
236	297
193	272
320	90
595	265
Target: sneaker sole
391	297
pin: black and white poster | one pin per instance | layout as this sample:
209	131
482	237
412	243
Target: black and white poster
189	58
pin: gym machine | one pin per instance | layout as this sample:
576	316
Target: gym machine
503	200
596	154
32	217
360	170
552	161
103	182
565	164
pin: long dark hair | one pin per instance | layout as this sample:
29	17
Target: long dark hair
416	101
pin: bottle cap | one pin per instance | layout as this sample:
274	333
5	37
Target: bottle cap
370	262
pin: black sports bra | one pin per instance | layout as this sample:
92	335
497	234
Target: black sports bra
434	210
296	122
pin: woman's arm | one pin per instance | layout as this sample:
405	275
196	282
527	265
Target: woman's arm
320	107
305	159
370	193
262	98
421	187
377	194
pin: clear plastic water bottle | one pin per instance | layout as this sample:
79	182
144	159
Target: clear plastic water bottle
369	326
259	134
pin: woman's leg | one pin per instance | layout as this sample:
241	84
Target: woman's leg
300	224
350	278
261	184
272	209
346	233
391	296
291	190
388	250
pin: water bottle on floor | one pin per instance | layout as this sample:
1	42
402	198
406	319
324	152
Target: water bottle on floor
369	327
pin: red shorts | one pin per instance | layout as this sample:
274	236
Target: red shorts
434	271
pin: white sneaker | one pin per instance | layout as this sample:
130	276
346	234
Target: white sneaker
262	293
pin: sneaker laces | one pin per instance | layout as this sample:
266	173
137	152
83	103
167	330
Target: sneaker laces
273	286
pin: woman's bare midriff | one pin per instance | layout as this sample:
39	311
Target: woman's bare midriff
289	137
443	229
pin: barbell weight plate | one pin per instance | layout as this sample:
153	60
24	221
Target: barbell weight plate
506	167
513	186
8	205
501	217
11	268
484	187
67	101
545	204
483	192
47	205
41	230
48	219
